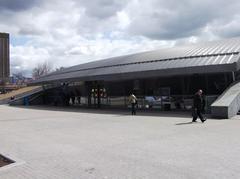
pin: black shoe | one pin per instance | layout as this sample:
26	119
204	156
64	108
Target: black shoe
194	121
204	120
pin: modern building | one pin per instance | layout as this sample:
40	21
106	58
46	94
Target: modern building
4	57
165	78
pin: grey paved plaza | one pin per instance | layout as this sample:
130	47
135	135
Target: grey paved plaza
86	144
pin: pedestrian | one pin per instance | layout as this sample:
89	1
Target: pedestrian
78	93
198	106
133	101
72	96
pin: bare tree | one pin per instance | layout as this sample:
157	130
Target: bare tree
59	69
41	70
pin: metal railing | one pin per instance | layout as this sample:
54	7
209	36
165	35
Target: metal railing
174	102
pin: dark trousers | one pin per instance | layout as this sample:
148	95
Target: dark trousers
197	113
133	108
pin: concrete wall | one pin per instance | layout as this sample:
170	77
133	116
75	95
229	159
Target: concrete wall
228	104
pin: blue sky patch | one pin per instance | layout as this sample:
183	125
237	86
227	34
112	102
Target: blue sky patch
19	40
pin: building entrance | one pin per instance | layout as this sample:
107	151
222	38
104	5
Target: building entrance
97	94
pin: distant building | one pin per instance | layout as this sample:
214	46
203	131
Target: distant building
4	57
19	79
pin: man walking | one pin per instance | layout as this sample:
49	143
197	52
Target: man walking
133	101
198	106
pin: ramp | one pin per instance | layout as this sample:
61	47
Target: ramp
228	104
20	93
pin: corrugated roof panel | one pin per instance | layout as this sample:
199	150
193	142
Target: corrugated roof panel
224	49
206	60
210	53
172	64
185	61
219	60
236	48
201	61
189	51
160	64
218	49
209	60
200	52
205	51
178	63
215	59
223	59
163	64
231	49
133	68
213	50
194	51
193	62
232	59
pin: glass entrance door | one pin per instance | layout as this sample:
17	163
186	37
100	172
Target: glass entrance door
98	95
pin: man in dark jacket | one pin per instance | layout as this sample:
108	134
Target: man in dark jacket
198	106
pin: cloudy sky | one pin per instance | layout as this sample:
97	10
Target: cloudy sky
70	32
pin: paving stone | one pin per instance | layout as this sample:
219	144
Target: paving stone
59	143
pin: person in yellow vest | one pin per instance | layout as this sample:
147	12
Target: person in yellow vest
133	101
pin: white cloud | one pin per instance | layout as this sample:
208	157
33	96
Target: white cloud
67	33
124	20
20	62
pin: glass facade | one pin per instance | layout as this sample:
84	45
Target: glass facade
170	93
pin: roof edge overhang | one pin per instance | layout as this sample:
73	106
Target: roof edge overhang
146	74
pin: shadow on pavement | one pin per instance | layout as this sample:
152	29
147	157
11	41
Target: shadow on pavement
185	123
113	111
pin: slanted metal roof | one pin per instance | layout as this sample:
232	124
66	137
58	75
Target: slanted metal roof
208	57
